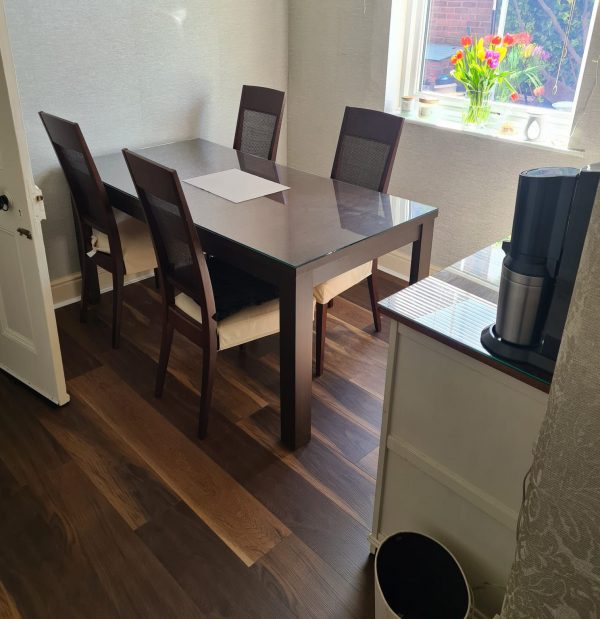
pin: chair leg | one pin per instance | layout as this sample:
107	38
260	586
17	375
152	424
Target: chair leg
209	361
156	279
87	275
320	345
163	359
330	304
372	282
84	291
118	277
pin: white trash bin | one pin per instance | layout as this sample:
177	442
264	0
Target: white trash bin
417	577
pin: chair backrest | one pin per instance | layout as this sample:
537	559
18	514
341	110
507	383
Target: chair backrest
367	148
88	193
181	262
259	121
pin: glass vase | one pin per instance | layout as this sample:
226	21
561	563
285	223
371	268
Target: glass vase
479	108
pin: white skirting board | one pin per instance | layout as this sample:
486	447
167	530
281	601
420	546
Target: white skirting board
67	289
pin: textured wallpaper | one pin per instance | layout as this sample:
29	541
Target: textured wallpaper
557	566
136	73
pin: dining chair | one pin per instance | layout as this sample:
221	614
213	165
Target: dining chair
259	121
106	237
213	304
365	155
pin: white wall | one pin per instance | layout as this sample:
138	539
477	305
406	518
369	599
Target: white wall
137	72
338	57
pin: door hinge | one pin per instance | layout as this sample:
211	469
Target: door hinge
25	232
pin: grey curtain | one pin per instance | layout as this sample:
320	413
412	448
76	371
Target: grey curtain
556	572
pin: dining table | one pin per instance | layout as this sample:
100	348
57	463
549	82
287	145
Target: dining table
317	229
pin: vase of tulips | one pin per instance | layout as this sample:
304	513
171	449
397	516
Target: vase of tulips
478	66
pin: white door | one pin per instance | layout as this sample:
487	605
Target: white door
29	347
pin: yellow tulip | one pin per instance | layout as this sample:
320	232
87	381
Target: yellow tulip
502	51
480	44
480	53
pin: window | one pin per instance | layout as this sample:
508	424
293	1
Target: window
550	38
545	60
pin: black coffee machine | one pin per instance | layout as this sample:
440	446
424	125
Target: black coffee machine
552	214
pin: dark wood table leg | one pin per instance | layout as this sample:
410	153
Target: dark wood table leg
420	262
295	319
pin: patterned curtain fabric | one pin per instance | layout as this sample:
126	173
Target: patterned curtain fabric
556	572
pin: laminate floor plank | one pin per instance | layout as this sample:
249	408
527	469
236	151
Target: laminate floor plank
8	607
114	468
360	317
215	579
309	586
369	463
76	360
26	449
342	432
354	362
344	484
350	400
346	335
331	533
8	484
43	566
349	438
232	513
85	526
338	538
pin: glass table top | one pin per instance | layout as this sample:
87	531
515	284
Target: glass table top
315	217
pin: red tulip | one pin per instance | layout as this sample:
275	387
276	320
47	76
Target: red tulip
453	60
466	41
514	96
509	40
539	91
496	40
459	54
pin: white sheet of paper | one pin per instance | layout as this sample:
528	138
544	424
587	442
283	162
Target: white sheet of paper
235	185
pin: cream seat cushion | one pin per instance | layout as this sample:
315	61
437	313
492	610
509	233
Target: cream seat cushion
136	243
323	293
247	325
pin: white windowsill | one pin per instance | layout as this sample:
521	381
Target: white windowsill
489	134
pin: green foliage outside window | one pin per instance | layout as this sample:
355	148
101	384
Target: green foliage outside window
547	21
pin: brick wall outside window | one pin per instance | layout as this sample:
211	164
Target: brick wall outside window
451	19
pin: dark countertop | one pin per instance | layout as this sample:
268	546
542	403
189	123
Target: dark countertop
455	305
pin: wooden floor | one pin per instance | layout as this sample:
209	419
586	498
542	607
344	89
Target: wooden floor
110	507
